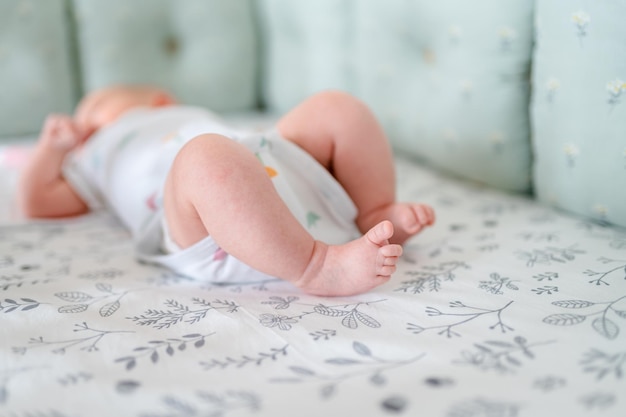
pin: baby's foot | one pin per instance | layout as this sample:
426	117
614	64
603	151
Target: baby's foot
59	132
352	268
408	219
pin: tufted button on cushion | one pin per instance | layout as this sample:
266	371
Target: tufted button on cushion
204	51
429	56
170	45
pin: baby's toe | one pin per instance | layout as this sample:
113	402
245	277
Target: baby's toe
391	251
425	214
380	233
388	261
387	271
429	214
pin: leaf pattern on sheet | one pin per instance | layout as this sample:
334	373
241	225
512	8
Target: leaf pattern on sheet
281	303
349	315
324	334
431	277
550	255
603	277
604	365
598	400
481	407
75	379
603	324
23	304
549	383
108	300
496	283
498	355
161	344
87	343
16	281
178	312
545	290
239	287
105	273
466	315
207	403
363	363
242	361
156	349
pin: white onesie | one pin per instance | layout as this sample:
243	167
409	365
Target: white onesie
124	165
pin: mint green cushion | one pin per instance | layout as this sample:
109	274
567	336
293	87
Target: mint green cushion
579	107
448	80
204	51
36	72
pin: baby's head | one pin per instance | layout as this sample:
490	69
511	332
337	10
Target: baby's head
102	107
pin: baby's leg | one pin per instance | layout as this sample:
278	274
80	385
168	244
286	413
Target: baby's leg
344	136
218	187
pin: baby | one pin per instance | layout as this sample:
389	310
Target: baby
311	201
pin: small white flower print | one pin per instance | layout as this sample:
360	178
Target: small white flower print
24	8
571	153
497	140
507	35
454	34
581	22
467	88
601	210
552	86
450	134
615	89
385	71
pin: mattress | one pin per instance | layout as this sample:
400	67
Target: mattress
503	308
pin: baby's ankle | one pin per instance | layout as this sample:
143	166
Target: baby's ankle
366	220
309	278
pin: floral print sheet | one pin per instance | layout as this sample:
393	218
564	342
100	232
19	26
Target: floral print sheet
504	308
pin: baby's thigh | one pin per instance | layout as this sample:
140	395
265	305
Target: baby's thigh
201	171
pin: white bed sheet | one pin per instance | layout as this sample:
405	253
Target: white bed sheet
503	308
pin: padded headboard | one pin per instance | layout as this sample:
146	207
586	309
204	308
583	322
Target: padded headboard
52	51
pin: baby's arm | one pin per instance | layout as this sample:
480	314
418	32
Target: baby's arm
43	192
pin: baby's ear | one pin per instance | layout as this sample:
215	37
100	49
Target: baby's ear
162	99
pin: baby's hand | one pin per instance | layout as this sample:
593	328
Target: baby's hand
60	132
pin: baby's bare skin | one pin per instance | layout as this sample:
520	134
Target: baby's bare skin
353	268
408	219
43	192
244	214
237	204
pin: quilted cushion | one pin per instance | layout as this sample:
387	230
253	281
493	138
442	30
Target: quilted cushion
204	51
36	72
579	108
449	83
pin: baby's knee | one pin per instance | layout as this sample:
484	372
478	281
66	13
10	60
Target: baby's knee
208	145
337	98
203	150
210	156
340	104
